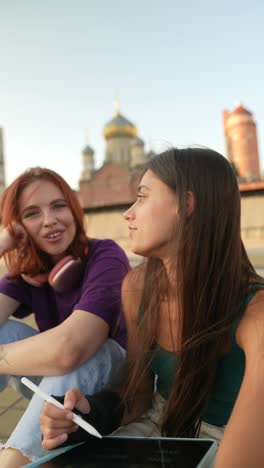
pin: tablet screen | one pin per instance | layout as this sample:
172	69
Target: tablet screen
124	452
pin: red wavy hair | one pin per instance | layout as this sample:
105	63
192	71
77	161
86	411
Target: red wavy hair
35	260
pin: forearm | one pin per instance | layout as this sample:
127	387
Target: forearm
37	355
242	444
241	449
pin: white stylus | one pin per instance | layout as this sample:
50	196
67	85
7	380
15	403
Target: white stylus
77	419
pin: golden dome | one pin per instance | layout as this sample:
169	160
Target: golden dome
119	126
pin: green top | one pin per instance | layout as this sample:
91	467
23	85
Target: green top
229	374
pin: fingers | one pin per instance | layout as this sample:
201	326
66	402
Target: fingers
55	425
50	444
75	399
8	242
71	398
53	419
51	432
21	237
11	237
51	411
19	231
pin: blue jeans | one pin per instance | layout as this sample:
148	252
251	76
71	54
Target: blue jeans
102	370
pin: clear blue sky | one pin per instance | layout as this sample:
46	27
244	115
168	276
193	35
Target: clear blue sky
176	65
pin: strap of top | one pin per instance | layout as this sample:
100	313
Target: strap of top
253	288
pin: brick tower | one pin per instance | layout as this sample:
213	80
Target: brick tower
241	141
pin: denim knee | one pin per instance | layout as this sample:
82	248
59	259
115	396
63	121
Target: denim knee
11	331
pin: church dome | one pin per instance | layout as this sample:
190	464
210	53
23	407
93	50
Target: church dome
137	142
119	126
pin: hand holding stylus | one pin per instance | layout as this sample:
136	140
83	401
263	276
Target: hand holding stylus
57	420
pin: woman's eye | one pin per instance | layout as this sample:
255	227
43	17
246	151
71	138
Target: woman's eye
140	197
58	206
31	214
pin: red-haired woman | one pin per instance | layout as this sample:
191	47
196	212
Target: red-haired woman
71	284
195	317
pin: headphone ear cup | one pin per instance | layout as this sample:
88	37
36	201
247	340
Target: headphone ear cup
37	280
63	277
66	273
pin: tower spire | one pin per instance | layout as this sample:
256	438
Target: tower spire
87	136
117	105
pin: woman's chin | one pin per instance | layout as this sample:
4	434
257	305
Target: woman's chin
135	250
138	250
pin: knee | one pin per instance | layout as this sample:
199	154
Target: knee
8	331
12	330
12	457
57	384
112	351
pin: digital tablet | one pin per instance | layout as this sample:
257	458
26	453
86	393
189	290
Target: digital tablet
134	452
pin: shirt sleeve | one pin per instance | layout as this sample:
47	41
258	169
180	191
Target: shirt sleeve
101	291
20	291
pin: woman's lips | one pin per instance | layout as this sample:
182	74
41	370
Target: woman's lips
54	236
131	230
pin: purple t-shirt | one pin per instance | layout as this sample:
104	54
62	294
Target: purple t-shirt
99	292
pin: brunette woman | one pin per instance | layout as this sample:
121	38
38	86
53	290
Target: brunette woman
195	317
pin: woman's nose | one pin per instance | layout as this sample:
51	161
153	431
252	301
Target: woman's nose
129	214
48	218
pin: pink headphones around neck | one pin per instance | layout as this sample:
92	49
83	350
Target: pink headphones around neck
63	277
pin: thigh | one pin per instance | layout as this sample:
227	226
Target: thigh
209	431
149	424
145	427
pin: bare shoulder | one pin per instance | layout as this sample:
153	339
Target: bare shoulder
250	332
135	278
132	289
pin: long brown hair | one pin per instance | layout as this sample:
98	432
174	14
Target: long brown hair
36	261
213	273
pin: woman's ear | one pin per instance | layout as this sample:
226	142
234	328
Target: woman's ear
189	203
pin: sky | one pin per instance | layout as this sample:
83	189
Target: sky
174	65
